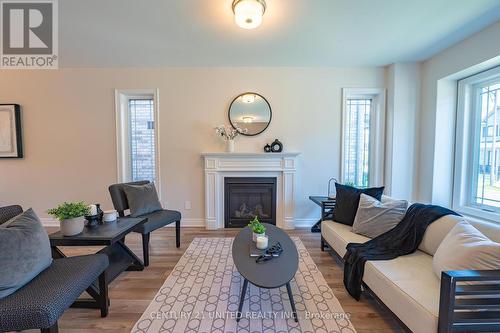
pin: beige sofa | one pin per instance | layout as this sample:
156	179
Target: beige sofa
407	285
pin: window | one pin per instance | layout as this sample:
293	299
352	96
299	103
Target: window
357	141
137	135
362	137
142	138
477	175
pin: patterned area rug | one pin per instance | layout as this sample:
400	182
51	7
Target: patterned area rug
202	294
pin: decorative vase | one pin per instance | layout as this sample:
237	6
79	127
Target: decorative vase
254	236
276	146
230	146
71	227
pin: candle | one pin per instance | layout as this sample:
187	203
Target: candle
93	210
262	242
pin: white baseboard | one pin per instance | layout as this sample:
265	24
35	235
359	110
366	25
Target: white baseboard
305	223
189	223
49	222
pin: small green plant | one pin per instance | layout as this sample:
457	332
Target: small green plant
69	210
256	226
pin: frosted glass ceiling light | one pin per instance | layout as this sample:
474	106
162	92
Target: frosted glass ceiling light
247	119
248	13
248	98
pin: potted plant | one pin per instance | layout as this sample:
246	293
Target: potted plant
257	228
71	216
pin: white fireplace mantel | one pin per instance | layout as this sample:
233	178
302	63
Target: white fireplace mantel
283	166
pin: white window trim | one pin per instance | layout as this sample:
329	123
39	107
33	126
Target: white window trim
377	134
122	132
464	146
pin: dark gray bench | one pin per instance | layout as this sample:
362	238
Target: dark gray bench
40	303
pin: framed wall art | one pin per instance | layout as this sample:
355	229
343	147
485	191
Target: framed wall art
11	145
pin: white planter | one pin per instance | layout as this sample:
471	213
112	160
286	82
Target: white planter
71	227
254	236
230	146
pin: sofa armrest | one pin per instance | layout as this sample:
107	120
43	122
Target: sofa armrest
469	307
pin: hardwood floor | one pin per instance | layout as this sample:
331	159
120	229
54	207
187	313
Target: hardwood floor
132	292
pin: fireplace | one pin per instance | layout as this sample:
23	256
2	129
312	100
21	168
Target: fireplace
247	197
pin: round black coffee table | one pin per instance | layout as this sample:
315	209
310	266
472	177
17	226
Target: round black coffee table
270	274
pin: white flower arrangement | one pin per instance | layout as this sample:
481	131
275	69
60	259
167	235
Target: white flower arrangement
228	132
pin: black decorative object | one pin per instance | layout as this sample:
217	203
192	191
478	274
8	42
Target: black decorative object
273	251
94	220
100	213
267	148
10	126
276	146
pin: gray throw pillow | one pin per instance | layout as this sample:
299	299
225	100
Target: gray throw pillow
374	217
24	251
142	199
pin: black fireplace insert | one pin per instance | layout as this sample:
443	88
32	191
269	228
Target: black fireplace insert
247	197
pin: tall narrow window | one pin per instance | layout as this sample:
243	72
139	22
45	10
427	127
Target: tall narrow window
477	163
357	141
362	137
486	158
142	139
137	135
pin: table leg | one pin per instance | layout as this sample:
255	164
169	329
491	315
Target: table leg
317	226
177	234
242	299
137	264
98	292
292	302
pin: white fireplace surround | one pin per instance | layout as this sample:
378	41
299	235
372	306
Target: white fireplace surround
283	166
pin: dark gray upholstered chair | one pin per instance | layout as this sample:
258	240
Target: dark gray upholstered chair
155	221
40	303
8	212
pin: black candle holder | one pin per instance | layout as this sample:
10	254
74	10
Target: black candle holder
92	221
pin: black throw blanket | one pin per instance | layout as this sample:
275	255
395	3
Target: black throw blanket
403	239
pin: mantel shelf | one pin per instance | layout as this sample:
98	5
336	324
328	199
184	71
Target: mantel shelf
249	154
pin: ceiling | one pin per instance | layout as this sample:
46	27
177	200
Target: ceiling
303	33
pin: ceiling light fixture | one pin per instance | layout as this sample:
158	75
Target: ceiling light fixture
248	98
247	119
248	13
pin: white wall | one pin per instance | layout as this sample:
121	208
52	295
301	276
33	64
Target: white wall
69	128
435	144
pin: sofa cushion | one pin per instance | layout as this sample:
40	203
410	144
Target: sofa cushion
347	201
338	235
375	217
142	199
40	303
409	287
159	219
466	248
489	229
24	251
437	231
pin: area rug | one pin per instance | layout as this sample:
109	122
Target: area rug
202	294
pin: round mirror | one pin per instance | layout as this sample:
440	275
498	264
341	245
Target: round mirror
250	114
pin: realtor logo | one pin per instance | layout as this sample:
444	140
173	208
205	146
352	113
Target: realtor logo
29	34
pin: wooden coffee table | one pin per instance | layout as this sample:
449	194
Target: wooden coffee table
111	235
270	274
